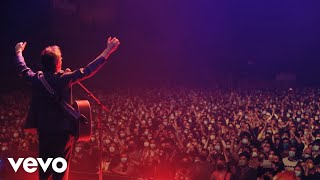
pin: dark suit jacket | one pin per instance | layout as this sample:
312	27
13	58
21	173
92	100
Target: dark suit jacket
46	115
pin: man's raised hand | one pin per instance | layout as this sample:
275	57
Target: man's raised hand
20	47
112	44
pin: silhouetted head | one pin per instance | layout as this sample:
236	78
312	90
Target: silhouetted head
51	59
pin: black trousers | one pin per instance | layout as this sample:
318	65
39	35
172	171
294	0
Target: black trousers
53	146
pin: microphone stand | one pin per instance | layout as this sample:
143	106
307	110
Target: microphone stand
102	107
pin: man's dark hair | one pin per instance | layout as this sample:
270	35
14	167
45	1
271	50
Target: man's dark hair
316	142
50	57
245	154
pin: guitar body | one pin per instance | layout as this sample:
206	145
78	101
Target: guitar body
84	124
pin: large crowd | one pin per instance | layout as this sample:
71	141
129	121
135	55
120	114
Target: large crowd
189	133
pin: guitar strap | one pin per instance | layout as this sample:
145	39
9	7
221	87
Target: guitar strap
66	106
